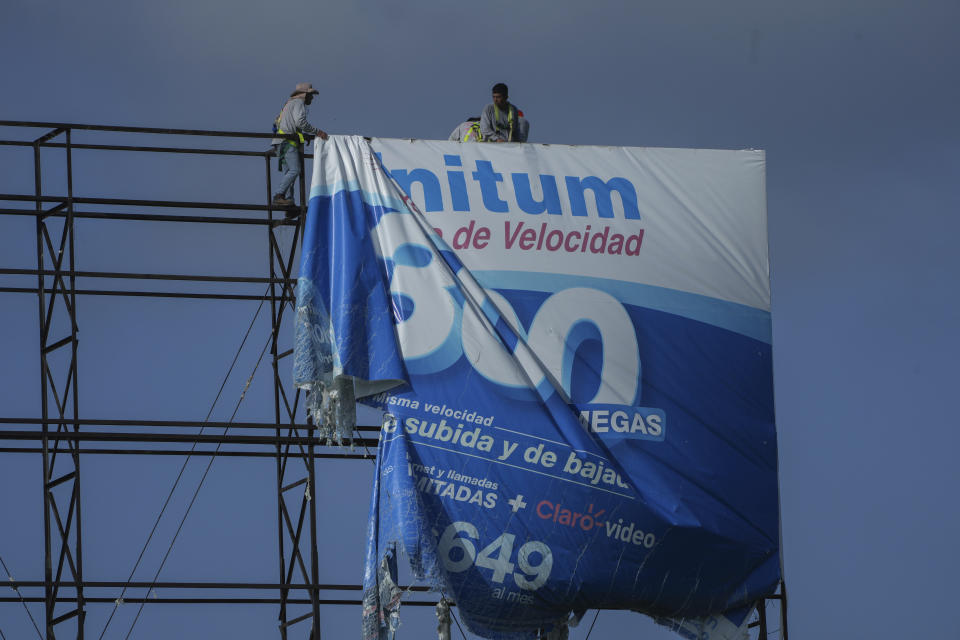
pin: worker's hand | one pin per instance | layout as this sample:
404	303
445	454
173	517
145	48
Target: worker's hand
322	134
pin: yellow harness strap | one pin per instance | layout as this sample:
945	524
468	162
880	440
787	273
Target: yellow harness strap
299	135
510	112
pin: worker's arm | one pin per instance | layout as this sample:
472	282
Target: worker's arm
300	117
523	129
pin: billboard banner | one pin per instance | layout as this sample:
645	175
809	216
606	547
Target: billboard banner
571	346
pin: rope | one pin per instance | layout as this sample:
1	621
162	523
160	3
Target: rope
458	625
20	595
591	625
200	485
183	467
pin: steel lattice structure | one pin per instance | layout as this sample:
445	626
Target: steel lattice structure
58	434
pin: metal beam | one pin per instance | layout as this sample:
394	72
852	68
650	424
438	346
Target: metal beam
95	422
262	586
186	452
204	438
144	276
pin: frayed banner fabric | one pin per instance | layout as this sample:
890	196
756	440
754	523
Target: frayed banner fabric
571	346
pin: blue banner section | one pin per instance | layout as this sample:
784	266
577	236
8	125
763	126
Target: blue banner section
544	452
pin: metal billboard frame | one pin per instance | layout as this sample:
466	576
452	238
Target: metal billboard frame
57	434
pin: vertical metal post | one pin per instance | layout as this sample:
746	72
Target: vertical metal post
281	300
311	462
303	192
783	610
303	177
70	224
66	400
284	592
41	293
314	554
762	612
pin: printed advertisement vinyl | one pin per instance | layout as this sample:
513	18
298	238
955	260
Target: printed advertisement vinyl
572	348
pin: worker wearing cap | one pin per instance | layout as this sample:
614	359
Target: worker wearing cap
501	121
293	120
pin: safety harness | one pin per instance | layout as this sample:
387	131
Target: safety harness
473	133
281	150
510	120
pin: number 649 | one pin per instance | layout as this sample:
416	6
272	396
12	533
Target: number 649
530	576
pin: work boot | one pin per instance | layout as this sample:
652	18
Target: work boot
280	201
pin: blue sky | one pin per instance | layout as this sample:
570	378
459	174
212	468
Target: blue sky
854	102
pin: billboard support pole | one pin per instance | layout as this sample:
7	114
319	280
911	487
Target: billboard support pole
284	593
63	549
290	532
762	612
783	610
